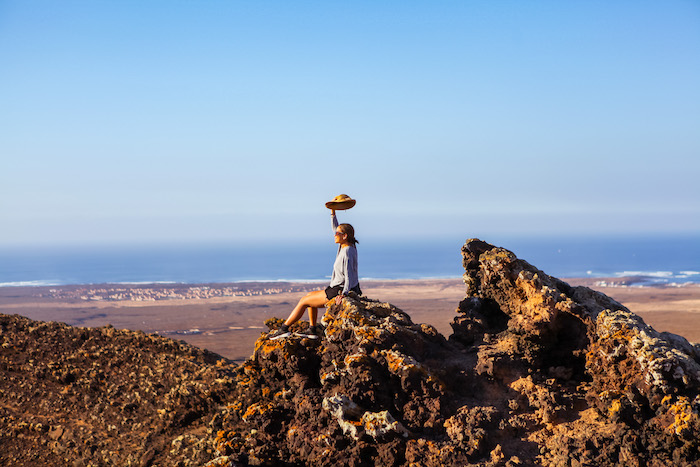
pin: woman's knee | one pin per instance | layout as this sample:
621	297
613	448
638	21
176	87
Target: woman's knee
309	298
316	298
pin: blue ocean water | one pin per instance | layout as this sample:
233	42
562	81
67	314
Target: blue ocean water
664	259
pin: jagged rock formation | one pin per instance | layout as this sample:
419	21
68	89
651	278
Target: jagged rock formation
104	397
606	389
536	372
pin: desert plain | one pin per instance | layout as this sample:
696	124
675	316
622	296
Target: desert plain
228	318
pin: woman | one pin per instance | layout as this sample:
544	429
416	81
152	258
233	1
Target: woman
343	280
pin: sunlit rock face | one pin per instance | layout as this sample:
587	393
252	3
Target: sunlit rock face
536	373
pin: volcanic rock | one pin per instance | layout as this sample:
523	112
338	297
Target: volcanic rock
97	397
536	372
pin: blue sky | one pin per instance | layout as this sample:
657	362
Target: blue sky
233	121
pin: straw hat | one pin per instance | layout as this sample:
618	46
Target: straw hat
340	203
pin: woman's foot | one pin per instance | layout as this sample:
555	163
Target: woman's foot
314	332
280	333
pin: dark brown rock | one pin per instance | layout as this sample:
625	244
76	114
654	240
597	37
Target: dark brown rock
536	372
77	396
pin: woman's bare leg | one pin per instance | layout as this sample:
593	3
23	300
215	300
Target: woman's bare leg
311	300
313	312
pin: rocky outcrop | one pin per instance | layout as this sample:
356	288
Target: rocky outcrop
536	372
103	397
606	389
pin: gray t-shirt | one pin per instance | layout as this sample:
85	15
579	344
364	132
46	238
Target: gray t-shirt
345	266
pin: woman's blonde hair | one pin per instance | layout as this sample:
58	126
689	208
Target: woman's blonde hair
348	230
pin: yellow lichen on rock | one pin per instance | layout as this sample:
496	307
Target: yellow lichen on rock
497	256
398	363
256	409
355	359
366	333
615	407
682	415
539	304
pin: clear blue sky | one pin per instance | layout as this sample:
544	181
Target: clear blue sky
166	121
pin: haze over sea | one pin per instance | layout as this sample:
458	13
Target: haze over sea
668	259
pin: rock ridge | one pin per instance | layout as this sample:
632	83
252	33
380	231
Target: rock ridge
536	372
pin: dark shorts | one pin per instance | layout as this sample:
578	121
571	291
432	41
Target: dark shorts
332	292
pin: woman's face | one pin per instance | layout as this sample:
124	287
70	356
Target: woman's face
340	237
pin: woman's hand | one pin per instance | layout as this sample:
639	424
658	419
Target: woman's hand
338	299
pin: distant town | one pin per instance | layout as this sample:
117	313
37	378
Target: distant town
155	292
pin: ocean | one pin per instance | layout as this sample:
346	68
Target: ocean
654	259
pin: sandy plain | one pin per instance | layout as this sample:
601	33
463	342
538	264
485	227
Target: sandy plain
229	325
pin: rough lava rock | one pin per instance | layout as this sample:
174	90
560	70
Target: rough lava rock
608	389
103	397
536	372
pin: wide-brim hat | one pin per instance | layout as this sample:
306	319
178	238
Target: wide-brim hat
340	203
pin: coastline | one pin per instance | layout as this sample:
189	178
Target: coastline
228	318
635	279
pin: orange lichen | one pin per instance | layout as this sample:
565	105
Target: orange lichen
356	317
615	407
228	441
397	362
236	407
365	333
255	409
497	254
354	359
624	334
267	346
683	414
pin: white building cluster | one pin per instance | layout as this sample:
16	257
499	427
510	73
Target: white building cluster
155	292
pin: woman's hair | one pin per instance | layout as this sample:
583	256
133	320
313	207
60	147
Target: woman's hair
350	232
